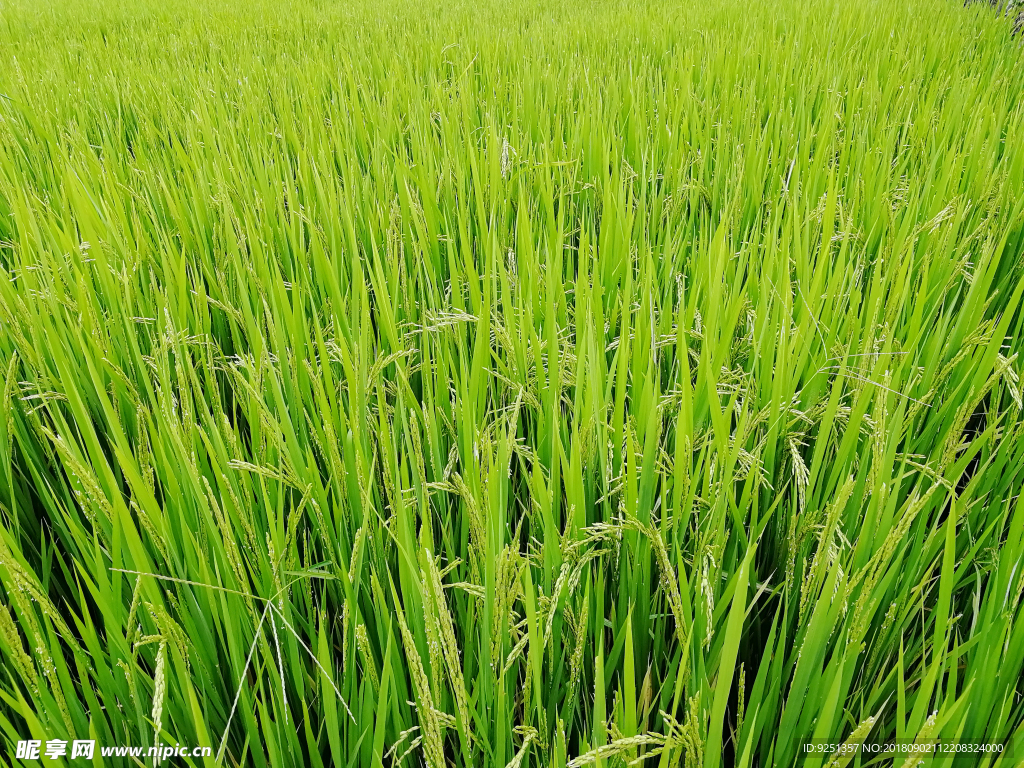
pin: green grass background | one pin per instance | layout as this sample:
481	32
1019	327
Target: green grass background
511	383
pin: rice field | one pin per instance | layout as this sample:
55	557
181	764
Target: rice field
512	383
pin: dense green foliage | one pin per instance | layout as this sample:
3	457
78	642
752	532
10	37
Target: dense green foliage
528	384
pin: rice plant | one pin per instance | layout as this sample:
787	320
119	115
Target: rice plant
511	383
